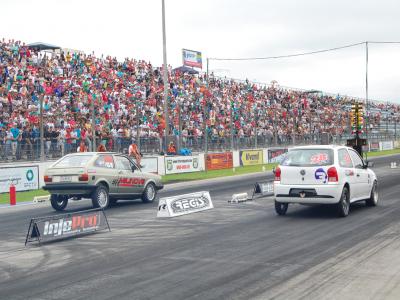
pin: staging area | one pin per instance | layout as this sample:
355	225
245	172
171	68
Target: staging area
233	251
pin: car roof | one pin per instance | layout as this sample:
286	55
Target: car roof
320	147
93	153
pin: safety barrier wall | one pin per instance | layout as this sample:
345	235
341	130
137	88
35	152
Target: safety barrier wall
183	164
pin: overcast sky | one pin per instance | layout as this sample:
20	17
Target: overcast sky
222	28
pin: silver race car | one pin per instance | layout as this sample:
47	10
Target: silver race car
104	177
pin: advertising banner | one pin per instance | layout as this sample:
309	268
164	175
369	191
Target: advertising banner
217	161
24	178
66	225
182	164
251	157
150	164
374	146
276	155
191	58
386	145
184	204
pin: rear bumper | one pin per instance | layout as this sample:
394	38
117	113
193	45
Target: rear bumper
321	194
70	189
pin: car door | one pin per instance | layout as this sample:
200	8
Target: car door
106	169
125	175
346	164
130	181
361	175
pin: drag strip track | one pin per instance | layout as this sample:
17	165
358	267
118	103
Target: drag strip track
231	252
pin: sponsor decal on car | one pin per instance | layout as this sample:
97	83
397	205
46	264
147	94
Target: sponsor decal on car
321	175
127	181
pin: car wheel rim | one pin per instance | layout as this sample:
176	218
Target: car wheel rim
102	199
345	204
150	192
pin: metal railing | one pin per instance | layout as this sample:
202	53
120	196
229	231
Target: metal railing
30	151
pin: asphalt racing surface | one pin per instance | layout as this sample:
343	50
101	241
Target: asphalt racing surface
235	251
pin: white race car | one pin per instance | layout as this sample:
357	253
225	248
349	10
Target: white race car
324	175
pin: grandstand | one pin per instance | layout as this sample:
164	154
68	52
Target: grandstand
128	102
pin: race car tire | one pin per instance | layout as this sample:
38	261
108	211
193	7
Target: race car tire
281	208
149	193
59	202
373	199
100	197
343	206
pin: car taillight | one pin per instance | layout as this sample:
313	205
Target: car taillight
84	177
47	178
277	174
333	175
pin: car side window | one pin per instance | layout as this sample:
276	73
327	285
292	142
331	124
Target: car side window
358	163
105	161
344	159
123	163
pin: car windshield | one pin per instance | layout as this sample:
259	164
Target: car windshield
73	161
308	157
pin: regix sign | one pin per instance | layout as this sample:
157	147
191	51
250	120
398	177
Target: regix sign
188	204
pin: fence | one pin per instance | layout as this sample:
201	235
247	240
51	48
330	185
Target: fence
30	151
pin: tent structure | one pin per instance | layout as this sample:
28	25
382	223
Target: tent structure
185	69
42	46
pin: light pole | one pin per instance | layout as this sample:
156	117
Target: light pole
94	148
41	129
165	77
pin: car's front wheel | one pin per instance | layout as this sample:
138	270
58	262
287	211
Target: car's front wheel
373	199
281	208
100	197
149	193
343	207
59	202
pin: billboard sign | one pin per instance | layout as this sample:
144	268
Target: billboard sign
218	161
251	157
191	58
182	164
24	178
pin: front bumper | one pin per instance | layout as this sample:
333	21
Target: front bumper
308	194
70	189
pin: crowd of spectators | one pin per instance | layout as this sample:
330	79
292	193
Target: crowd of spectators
130	93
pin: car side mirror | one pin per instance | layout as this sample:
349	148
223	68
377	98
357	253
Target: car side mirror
133	168
273	170
369	164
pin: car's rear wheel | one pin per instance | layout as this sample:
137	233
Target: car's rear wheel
149	193
100	197
59	202
281	208
343	207
373	199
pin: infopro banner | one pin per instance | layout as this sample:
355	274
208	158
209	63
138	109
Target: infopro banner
182	164
150	164
217	161
24	178
55	227
191	58
276	155
251	157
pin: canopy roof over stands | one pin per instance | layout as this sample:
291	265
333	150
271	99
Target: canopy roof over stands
42	46
185	69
